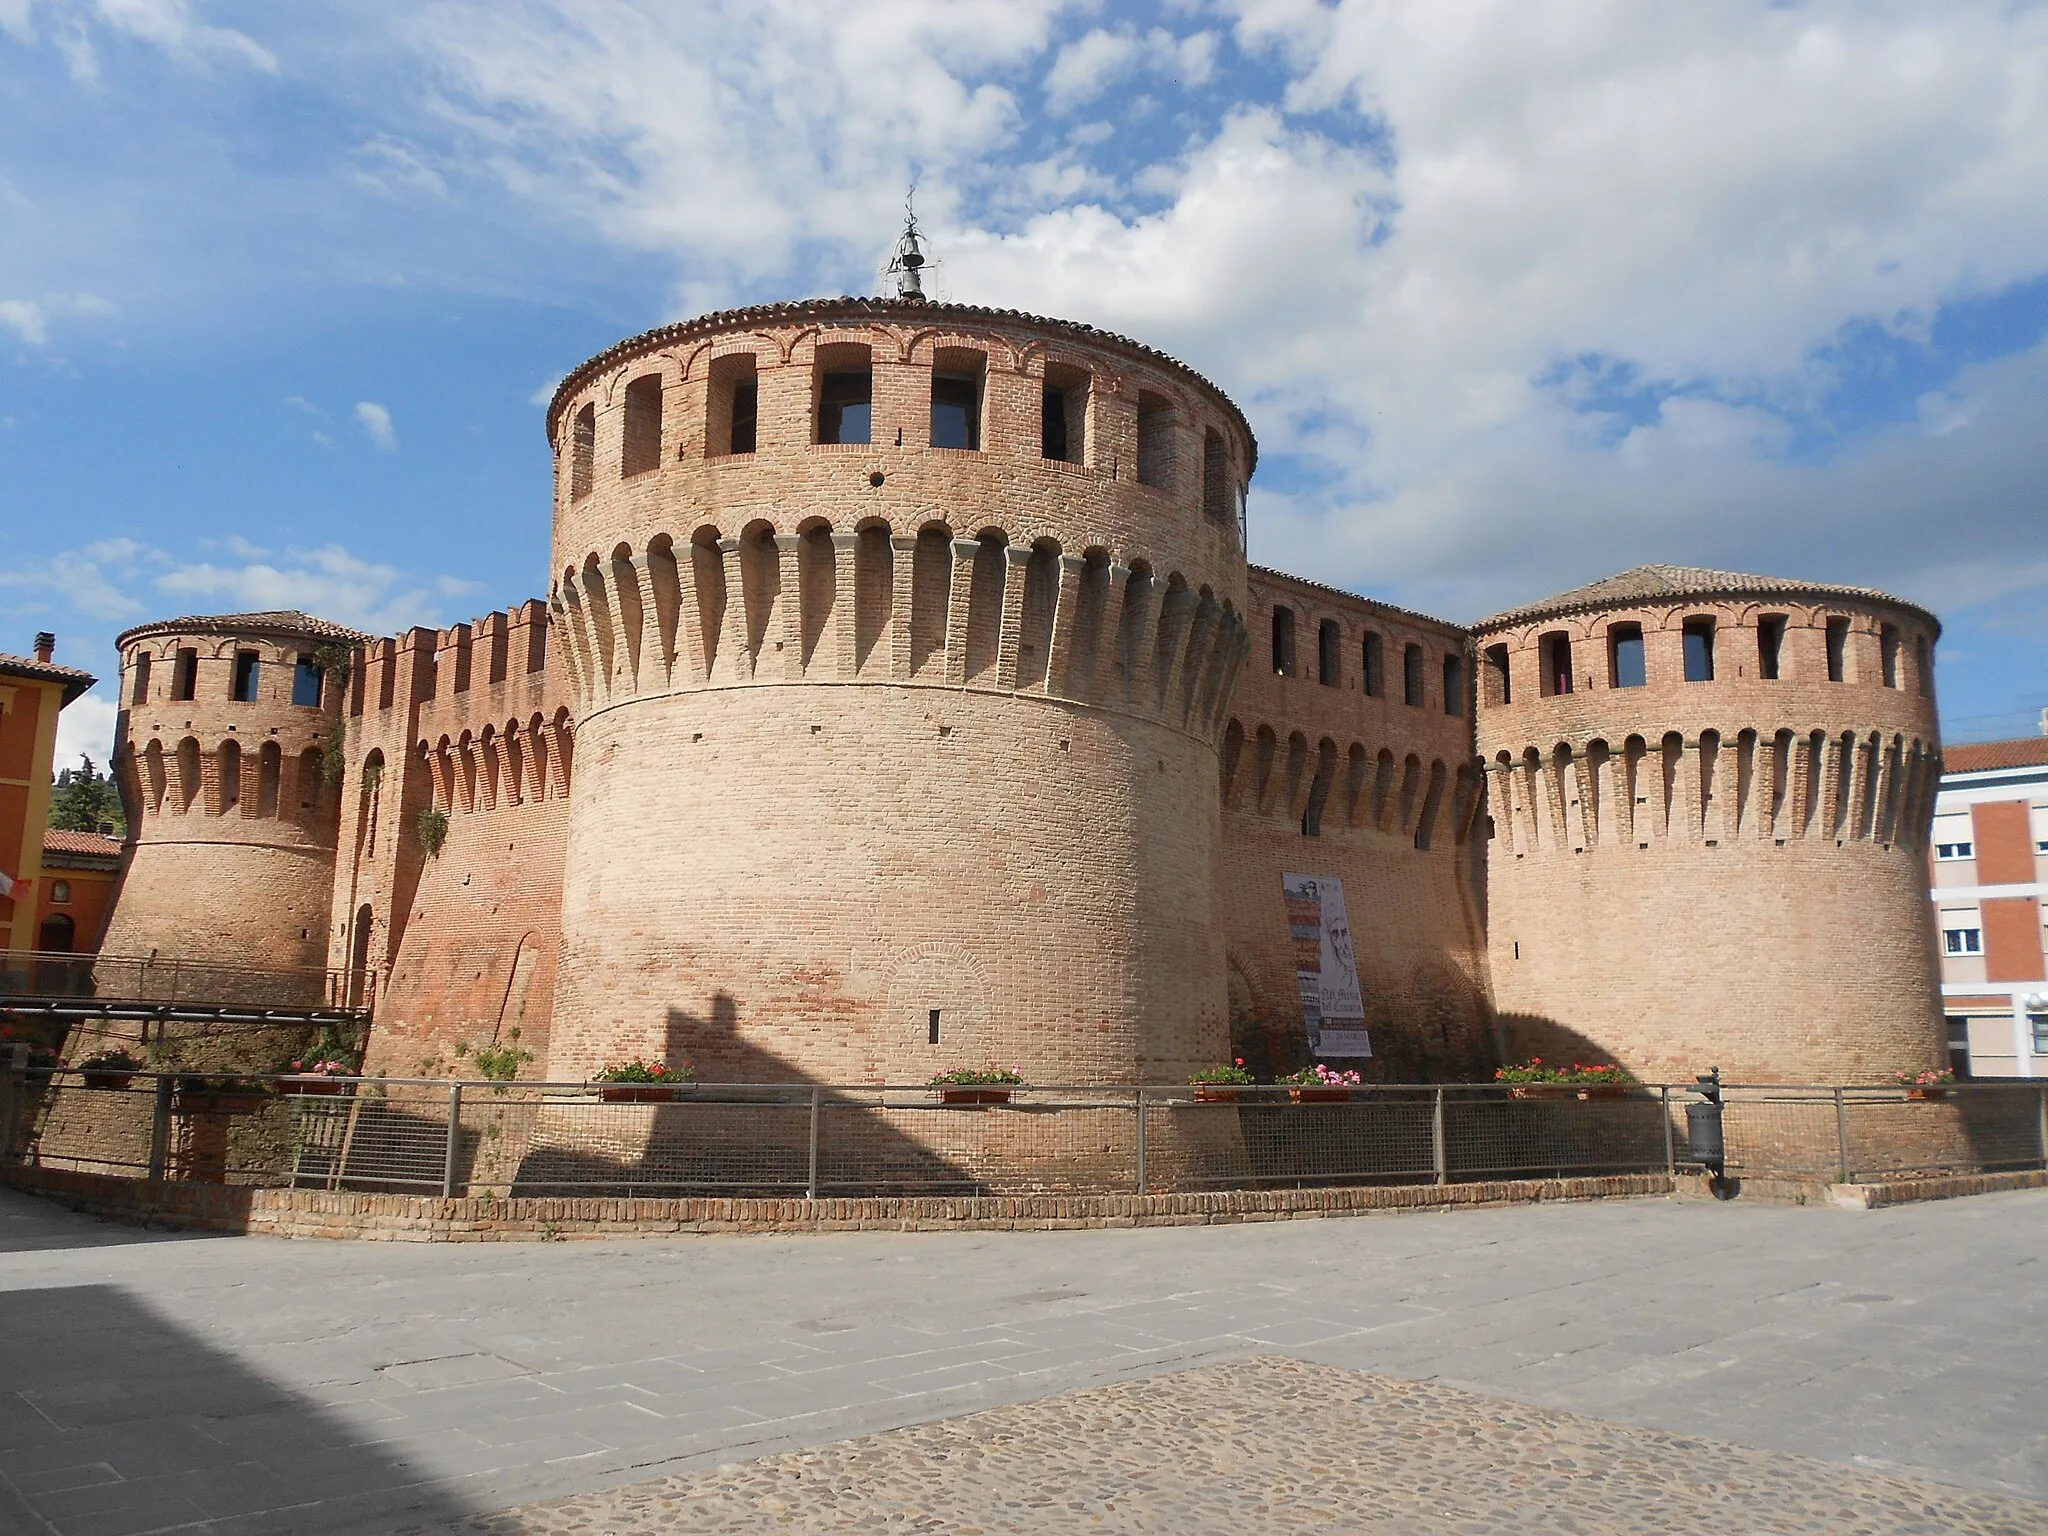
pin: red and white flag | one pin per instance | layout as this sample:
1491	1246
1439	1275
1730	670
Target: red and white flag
6	885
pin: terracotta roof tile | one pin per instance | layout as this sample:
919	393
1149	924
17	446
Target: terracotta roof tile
1978	756
75	682
275	621
1650	583
58	841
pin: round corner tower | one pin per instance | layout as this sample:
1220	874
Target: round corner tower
1711	794
900	635
220	752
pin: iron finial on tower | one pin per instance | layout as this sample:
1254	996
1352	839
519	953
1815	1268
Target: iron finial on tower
907	262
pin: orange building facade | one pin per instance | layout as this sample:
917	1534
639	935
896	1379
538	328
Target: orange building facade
33	690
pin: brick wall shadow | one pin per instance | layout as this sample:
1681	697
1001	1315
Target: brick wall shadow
114	1417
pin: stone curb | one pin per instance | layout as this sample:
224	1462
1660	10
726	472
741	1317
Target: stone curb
428	1219
1873	1197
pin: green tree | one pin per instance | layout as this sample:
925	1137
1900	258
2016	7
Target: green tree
85	800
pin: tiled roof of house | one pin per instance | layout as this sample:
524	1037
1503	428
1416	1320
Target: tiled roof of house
275	621
75	682
1651	583
83	844
1979	756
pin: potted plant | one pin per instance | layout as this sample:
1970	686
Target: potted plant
1320	1085
113	1070
319	1072
1219	1085
977	1085
43	1062
642	1082
1608	1081
1532	1079
1934	1083
197	1095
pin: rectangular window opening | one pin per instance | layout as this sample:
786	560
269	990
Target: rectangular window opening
932	1028
1411	676
1838	650
1556	649
1283	642
733	408
138	692
957	375
1329	642
185	675
245	677
1955	850
1454	685
846	394
1962	941
1770	645
1888	653
1625	655
640	446
1699	650
307	680
1064	414
1375	659
1499	686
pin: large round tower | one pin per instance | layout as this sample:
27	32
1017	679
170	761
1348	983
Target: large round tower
1711	794
219	749
901	634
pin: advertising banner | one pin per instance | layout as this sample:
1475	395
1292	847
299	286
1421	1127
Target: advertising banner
1325	966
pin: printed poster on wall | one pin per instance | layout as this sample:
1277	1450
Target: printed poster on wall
1325	966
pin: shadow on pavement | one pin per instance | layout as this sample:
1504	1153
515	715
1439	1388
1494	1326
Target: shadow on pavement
114	1420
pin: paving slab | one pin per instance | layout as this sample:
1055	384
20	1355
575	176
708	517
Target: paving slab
383	1386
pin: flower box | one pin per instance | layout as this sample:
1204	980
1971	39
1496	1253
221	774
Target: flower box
106	1079
1215	1095
1926	1094
210	1102
1542	1091
640	1093
312	1084
978	1094
1319	1095
1604	1091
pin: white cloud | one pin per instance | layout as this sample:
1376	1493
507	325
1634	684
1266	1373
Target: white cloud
1092	63
546	392
376	420
30	318
86	728
173	26
329	581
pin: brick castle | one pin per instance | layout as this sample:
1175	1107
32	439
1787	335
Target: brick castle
903	699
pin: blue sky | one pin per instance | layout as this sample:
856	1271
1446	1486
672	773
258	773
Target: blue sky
1516	293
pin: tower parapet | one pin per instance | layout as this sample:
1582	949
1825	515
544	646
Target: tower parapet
221	747
1710	796
899	629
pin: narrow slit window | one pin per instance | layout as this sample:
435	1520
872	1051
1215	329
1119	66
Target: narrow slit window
1411	676
246	664
1888	654
1328	644
1625	655
308	678
1454	685
1283	642
1770	645
1838	650
1923	667
185	675
1556	648
582	453
932	1027
1374	659
1699	650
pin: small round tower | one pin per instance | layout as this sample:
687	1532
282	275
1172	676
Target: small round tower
1711	795
901	634
220	752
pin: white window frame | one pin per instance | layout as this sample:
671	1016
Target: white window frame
1971	948
1949	853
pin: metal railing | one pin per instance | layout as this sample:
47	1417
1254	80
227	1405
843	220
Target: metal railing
160	980
451	1138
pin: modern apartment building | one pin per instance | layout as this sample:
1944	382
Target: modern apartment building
1989	856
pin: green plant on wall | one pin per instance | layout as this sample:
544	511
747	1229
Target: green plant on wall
499	1063
433	832
335	661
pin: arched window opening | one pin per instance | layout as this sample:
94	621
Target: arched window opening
1838	650
958	377
1063	417
1499	684
985	604
57	935
230	766
1699	650
269	767
1625	661
1770	645
312	773
732	410
188	773
1041	595
1556	650
1454	685
1329	643
1374	660
640	443
1215	476
1283	641
931	578
845	393
1155	441
1411	676
583	453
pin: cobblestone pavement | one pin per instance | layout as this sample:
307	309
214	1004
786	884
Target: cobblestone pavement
1275	1444
255	1386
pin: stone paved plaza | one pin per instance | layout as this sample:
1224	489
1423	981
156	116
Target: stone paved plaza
1619	1366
